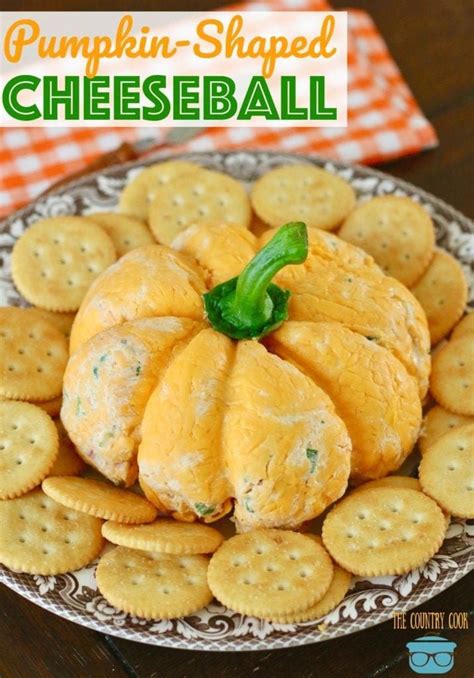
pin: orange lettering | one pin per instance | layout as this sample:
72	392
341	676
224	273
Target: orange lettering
201	32
17	37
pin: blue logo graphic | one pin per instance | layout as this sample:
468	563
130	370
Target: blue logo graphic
431	654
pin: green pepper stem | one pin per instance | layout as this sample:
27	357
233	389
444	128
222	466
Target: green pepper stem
250	306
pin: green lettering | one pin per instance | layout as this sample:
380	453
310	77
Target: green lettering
184	97
218	95
258	101
152	90
289	110
317	98
53	97
126	93
10	94
94	96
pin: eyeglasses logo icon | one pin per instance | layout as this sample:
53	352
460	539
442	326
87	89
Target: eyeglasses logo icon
431	655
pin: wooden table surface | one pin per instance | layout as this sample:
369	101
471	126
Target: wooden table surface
432	42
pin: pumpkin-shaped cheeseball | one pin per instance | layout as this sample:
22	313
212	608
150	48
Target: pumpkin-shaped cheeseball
232	372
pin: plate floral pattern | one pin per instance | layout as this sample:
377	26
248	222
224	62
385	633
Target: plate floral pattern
370	601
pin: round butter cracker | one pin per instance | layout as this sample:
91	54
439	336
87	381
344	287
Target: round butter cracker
302	193
34	356
442	293
55	261
382	531
68	462
201	197
165	536
100	499
258	226
40	536
447	471
153	585
403	482
51	407
269	573
126	232
452	376
391	481
28	447
62	321
339	586
437	422
397	232
464	327
136	196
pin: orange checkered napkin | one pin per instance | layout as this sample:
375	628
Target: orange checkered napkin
385	122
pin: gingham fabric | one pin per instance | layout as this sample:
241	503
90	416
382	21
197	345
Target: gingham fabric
385	122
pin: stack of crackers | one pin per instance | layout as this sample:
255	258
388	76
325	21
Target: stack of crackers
53	521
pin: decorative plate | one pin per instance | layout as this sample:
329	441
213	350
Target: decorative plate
370	601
